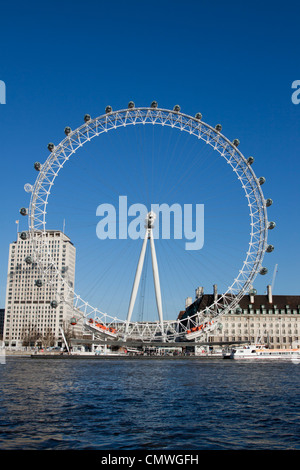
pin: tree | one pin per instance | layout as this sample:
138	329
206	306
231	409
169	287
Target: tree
30	335
48	338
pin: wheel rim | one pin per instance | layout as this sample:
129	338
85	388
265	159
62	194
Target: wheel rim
112	120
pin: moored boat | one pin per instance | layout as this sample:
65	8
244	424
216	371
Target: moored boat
257	351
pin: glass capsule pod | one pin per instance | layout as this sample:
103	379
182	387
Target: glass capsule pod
23	235
50	147
218	127
23	211
131	105
38	283
198	116
236	142
250	160
154	104
28	260
271	225
261	180
269	202
263	271
252	292
87	118
53	304
37	166
68	130
176	108
108	109
270	248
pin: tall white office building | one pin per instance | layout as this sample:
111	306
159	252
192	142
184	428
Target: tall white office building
29	316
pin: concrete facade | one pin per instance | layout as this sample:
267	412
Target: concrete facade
29	317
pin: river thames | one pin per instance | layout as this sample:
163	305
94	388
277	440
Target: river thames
153	404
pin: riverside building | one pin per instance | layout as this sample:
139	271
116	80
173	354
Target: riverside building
29	317
272	319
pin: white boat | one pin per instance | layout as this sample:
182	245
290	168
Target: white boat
258	351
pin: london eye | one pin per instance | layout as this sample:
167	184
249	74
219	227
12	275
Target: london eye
102	322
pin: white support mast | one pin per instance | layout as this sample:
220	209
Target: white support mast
137	279
64	338
156	281
148	235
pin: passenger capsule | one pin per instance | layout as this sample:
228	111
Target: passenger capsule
73	321
270	248
23	235
50	147
154	104
252	292
271	225
53	304
250	160
68	130
28	260
238	310
38	283
131	105
263	271
269	202
176	108
198	116
236	142
108	109
218	127
23	211
28	188
37	166
87	118
261	180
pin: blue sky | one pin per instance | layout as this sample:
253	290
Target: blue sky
234	62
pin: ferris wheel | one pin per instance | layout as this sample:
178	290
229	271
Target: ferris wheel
104	324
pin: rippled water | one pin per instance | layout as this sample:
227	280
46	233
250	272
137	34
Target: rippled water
148	404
